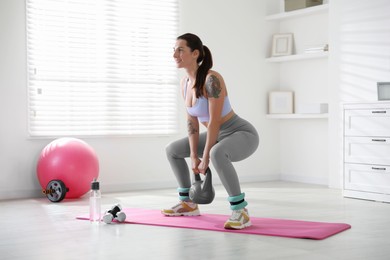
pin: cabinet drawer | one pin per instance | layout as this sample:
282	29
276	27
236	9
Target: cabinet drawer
371	150
368	178
367	122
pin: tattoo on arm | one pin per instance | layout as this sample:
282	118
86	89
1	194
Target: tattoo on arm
191	128
213	86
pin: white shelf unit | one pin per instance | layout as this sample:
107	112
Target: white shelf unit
297	116
315	20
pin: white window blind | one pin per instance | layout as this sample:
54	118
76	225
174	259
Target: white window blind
101	67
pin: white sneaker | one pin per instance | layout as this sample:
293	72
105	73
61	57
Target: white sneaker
183	208
238	220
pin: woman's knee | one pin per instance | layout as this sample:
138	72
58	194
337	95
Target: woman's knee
217	154
170	149
178	148
255	142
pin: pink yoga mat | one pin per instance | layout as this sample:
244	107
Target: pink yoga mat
214	222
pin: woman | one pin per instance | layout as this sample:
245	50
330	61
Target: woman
228	138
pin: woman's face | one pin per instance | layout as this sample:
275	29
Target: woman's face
183	55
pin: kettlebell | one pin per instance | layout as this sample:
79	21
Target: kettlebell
202	191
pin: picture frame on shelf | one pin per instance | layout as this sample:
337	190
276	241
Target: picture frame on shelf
282	44
281	102
383	90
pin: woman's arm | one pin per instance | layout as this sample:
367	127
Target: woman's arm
216	92
193	133
193	138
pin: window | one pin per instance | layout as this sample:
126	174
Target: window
101	67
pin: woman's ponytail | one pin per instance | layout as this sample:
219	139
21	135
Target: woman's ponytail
206	61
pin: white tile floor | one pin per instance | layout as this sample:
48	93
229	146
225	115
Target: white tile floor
39	229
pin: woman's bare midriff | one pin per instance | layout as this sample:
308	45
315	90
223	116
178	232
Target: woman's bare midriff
224	119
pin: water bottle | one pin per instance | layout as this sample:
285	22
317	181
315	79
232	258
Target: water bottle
94	202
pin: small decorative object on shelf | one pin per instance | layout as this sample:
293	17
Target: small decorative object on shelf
383	90
291	5
282	44
317	48
311	108
281	102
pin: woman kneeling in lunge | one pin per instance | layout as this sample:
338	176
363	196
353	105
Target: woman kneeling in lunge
228	138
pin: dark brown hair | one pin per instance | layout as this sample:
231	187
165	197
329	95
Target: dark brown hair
205	60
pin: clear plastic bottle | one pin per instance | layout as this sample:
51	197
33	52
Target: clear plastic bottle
94	202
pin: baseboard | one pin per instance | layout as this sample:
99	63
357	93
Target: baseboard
21	194
259	178
304	179
134	186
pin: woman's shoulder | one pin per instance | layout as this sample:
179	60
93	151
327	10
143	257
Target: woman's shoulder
215	84
214	77
183	80
213	73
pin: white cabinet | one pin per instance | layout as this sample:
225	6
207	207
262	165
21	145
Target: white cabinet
367	151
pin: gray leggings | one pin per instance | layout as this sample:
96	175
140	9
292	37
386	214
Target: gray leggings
236	141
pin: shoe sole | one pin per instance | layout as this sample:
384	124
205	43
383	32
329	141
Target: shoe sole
183	214
244	225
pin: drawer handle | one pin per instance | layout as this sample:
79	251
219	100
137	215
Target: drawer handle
379	112
379	168
378	140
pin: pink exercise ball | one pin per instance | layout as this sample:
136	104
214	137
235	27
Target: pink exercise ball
71	161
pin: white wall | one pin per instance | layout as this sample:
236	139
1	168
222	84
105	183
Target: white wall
239	39
236	33
360	45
